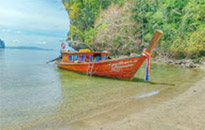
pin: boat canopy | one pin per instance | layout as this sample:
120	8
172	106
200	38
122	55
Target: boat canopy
84	56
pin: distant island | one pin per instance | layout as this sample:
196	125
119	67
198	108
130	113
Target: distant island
2	44
28	48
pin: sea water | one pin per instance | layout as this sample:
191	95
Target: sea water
34	94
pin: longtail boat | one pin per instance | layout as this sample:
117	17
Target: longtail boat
97	63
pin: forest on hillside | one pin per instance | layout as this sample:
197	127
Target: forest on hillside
123	27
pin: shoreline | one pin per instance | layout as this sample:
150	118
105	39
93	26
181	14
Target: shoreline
184	62
183	112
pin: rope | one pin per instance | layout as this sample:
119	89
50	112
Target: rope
90	69
148	64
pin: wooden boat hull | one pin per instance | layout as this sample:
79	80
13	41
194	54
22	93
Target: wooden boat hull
120	68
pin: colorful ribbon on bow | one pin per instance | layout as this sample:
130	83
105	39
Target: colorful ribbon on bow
148	64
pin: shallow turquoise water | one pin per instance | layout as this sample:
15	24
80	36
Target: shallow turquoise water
27	85
33	93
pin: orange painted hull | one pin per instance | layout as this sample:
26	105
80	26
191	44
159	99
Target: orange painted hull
121	68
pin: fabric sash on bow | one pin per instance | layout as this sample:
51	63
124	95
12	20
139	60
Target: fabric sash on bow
148	64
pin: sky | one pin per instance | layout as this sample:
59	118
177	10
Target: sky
40	23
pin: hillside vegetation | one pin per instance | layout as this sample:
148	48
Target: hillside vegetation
127	26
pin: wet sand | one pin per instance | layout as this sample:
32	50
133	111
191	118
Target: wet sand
183	112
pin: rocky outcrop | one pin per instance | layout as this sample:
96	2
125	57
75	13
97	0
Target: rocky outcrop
185	63
2	45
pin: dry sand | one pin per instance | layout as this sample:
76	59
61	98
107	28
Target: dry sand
183	112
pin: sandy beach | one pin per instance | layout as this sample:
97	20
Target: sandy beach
183	112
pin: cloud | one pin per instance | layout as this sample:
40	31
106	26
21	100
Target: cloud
15	41
6	30
10	31
17	32
42	42
31	21
33	14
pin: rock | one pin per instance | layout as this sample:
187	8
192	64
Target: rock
2	45
187	65
186	60
183	65
178	62
169	61
133	54
196	61
197	65
190	65
203	62
122	56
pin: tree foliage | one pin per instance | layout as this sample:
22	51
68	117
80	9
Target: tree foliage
112	25
82	15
